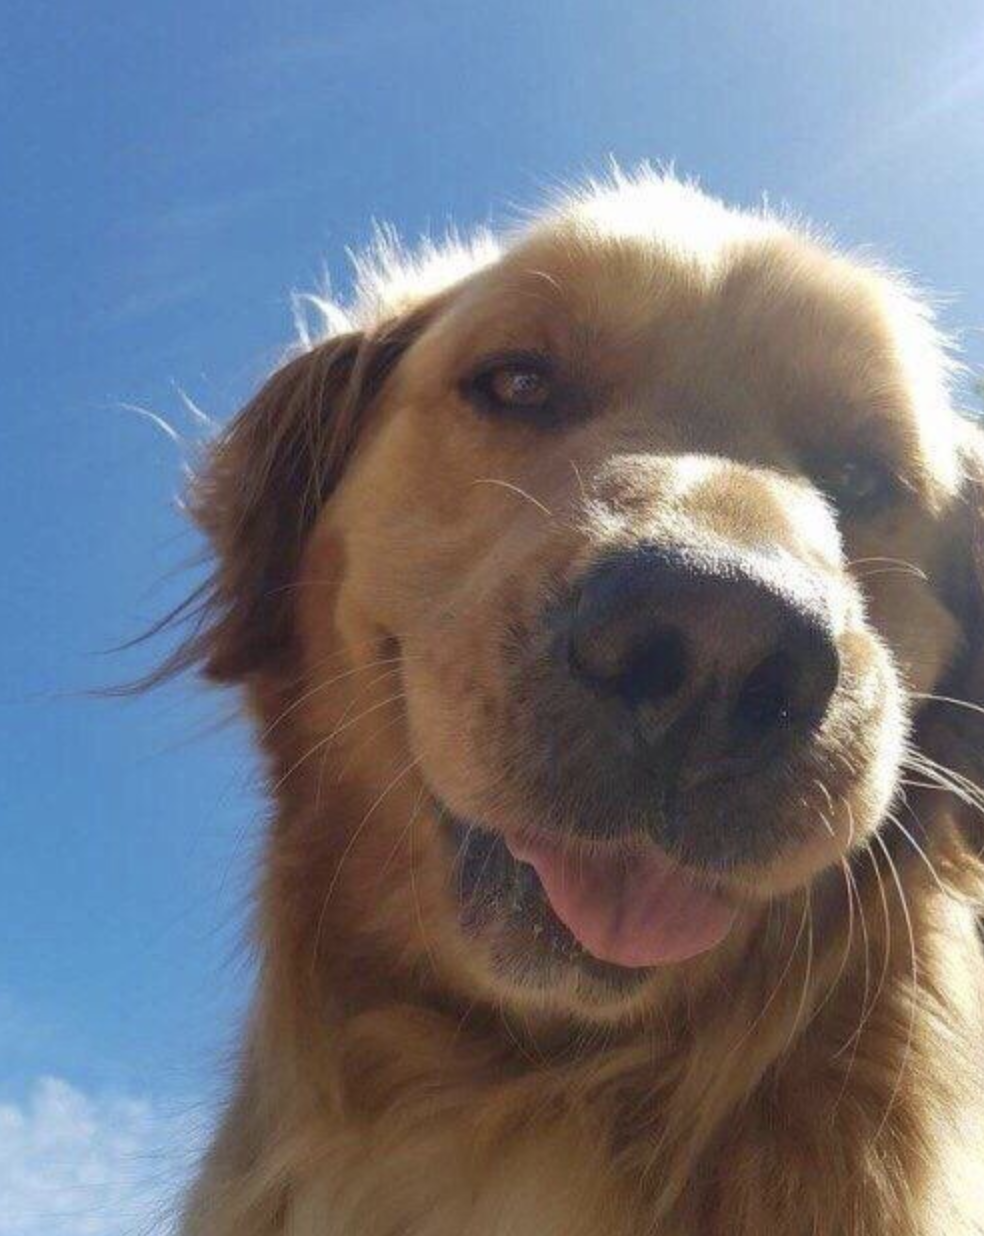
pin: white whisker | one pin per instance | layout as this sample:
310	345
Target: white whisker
914	989
490	480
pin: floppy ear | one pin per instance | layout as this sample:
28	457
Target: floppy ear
950	730
261	485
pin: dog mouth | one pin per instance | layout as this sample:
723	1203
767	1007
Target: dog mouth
597	905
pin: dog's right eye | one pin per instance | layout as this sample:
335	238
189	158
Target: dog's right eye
516	385
518	388
857	485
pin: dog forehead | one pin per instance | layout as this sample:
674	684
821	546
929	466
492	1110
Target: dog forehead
649	285
631	255
571	280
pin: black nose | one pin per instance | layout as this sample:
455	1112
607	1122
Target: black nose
723	658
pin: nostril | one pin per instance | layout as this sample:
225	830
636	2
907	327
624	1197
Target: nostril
792	686
656	671
766	700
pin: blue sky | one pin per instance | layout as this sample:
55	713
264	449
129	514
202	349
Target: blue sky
170	174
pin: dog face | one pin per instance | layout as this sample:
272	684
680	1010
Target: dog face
596	596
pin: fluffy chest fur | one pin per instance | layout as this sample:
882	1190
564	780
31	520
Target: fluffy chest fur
834	1114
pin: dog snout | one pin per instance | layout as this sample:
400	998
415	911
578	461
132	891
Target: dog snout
721	660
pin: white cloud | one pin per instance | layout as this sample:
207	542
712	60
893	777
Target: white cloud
73	1164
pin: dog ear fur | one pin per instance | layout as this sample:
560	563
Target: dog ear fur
950	729
261	484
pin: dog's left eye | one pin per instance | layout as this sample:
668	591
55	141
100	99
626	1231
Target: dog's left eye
520	384
858	485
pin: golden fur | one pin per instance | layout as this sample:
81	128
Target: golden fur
379	544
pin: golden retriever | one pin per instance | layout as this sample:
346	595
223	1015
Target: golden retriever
608	602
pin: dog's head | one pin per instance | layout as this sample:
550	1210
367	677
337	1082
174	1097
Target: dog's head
592	593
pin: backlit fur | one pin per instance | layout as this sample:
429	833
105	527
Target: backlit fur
384	553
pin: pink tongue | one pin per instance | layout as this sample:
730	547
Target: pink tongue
637	910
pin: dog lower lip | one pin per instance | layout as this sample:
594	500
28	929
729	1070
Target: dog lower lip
479	851
493	886
633	911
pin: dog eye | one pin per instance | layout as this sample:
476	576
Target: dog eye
858	485
520	384
519	388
